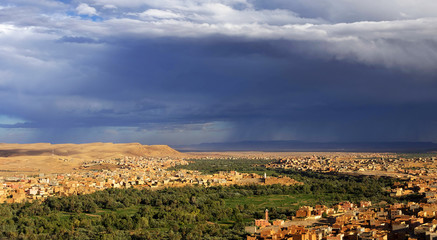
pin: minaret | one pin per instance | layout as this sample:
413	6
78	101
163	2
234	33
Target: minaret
267	214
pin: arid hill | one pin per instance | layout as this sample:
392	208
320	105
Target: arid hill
53	158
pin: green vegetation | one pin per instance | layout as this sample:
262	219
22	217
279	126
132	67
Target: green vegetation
327	187
283	202
181	213
318	188
210	166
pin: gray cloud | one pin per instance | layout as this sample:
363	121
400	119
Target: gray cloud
400	37
212	70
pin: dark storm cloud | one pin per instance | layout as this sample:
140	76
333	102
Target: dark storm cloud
266	92
190	71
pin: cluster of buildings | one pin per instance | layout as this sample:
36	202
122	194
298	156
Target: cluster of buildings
370	163
412	220
126	172
347	221
138	172
426	187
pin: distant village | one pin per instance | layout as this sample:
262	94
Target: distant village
137	172
362	164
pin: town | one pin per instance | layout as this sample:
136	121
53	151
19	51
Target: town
413	217
138	172
378	164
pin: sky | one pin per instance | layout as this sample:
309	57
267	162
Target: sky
194	71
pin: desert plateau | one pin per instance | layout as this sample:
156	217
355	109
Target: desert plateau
64	158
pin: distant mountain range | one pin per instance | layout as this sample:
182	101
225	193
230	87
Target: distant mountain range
291	145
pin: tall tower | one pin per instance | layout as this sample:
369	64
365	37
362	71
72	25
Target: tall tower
267	214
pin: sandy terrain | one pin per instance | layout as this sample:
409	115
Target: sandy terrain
37	158
63	158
